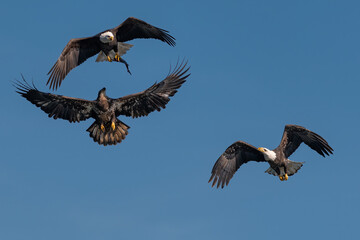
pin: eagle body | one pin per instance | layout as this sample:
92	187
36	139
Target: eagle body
280	165
109	44
107	128
103	113
102	100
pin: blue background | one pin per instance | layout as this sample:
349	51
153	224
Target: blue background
255	66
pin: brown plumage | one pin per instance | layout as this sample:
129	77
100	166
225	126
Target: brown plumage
230	161
107	129
241	152
78	50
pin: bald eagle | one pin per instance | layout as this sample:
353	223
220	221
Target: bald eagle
109	44
241	152
107	128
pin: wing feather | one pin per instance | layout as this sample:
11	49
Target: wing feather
57	106
133	28
154	98
295	135
230	161
75	53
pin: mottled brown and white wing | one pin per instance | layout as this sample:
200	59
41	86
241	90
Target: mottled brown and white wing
231	160
133	28
57	106
295	135
154	98
75	53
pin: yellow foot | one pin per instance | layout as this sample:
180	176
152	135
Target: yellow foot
113	126
109	59
281	178
117	57
286	177
102	127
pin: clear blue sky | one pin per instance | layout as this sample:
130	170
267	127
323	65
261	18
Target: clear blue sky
256	66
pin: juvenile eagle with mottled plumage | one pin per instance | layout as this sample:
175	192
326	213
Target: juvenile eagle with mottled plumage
107	128
241	152
109	44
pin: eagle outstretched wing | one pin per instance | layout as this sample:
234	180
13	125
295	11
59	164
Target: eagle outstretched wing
230	161
75	53
154	98
294	135
57	106
133	28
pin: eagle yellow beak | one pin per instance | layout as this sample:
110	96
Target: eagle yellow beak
261	149
111	38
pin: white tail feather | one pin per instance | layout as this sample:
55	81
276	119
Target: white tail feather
271	171
293	167
101	57
123	48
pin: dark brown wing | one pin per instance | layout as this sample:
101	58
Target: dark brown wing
57	106
75	53
231	160
133	28
294	135
154	98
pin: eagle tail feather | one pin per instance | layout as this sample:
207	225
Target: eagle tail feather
123	48
108	136
101	57
271	171
293	167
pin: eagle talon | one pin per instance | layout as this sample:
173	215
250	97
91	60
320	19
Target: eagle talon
117	57
281	178
113	126
102	127
286	177
109	59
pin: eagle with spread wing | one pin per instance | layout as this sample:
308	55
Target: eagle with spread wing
109	44
107	128
241	152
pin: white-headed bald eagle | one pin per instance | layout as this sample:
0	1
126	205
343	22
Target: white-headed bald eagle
109	44
107	128
241	152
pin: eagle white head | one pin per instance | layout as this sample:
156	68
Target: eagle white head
268	154
106	37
